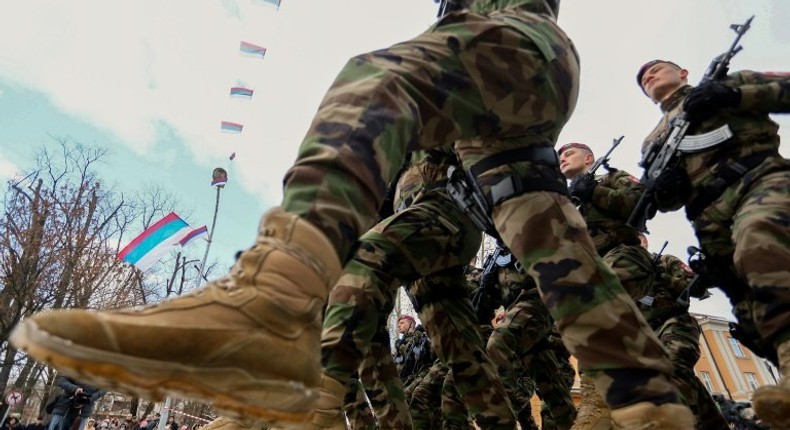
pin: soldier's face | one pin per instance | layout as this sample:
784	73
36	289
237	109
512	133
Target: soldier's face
574	161
403	326
662	79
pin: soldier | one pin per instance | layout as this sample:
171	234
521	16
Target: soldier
425	243
667	311
606	201
737	197
500	79
519	344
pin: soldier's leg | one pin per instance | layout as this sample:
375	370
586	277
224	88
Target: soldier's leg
558	410
526	322
446	311
680	335
599	322
762	256
425	398
385	392
454	413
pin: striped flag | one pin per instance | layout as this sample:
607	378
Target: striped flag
231	127
252	50
150	246
241	92
193	234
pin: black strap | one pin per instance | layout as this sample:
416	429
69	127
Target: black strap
550	177
728	175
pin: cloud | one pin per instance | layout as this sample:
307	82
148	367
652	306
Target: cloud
8	170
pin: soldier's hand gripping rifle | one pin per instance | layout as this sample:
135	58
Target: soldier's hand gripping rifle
648	300
665	155
469	200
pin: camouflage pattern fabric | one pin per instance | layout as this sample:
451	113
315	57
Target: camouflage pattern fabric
495	79
519	347
455	414
680	335
611	204
744	231
413	356
554	376
425	400
426	244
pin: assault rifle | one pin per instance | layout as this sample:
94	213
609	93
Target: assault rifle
469	200
604	161
697	288
666	154
484	300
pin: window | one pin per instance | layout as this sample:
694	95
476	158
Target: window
705	377
751	378
736	348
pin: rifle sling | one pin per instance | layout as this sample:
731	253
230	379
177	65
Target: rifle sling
729	174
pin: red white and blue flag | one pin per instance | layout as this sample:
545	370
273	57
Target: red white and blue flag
241	92
193	234
252	50
231	127
150	246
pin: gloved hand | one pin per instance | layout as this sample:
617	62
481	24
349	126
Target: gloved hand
705	100
673	184
582	187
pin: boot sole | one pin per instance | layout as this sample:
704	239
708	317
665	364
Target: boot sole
154	380
772	406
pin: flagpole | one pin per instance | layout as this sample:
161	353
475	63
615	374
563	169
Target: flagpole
210	232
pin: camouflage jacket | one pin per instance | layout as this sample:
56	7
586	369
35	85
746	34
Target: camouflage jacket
609	208
754	131
413	354
673	277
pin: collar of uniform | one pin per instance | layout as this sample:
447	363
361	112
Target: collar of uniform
672	101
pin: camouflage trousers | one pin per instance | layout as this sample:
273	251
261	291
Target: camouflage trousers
430	241
472	76
680	335
435	403
519	347
554	377
377	395
745	232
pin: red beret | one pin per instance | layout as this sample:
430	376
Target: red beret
408	317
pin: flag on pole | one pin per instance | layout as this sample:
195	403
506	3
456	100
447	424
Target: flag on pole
156	241
193	234
241	92
252	50
231	127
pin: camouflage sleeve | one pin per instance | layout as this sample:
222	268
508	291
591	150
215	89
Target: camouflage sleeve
762	92
617	193
675	274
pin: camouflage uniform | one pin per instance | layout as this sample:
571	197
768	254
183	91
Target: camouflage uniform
668	314
427	243
497	77
519	346
739	206
435	403
448	84
413	357
554	376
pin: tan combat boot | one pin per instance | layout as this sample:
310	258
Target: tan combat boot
249	342
328	412
645	415
772	402
593	413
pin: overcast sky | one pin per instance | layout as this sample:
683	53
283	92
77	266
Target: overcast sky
150	79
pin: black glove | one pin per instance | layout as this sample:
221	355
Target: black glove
705	100
582	187
673	184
